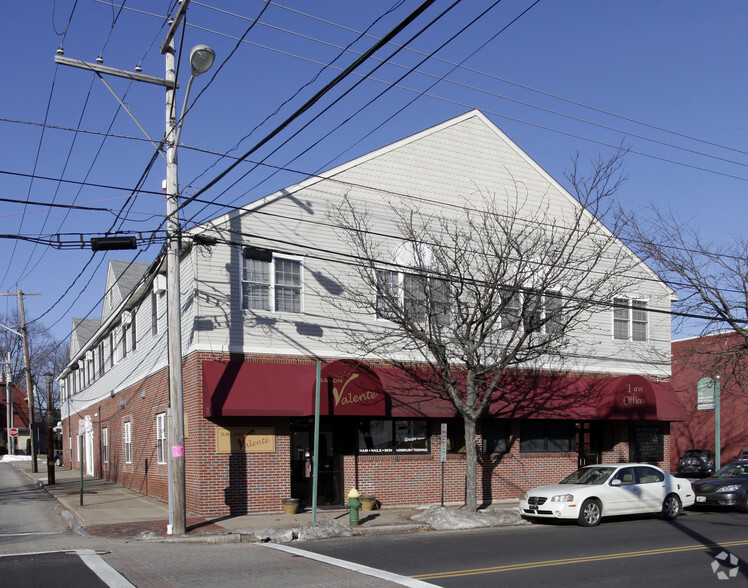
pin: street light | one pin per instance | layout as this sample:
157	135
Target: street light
50	445
201	58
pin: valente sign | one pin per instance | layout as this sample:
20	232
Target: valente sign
353	389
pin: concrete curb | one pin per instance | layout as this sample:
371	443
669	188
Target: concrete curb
73	523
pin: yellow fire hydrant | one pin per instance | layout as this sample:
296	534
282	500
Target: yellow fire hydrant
353	506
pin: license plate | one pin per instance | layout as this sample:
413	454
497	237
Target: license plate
533	507
701	499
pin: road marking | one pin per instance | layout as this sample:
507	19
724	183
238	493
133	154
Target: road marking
98	566
103	570
349	565
576	560
31	533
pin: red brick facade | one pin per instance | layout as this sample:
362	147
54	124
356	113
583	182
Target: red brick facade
234	483
701	357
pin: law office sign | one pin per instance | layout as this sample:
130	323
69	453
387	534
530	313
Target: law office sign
705	394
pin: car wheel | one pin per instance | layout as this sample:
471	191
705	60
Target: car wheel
591	513
671	507
744	506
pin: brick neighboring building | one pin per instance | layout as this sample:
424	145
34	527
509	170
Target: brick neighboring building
20	417
255	321
708	356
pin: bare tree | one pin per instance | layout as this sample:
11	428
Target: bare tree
711	278
46	354
501	282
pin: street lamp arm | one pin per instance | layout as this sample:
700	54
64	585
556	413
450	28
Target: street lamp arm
178	133
11	330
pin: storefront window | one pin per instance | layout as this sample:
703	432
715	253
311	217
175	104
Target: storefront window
541	436
456	436
647	443
393	436
495	435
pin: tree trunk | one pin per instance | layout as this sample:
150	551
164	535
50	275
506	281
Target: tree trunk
471	466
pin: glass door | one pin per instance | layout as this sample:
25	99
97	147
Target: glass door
330	465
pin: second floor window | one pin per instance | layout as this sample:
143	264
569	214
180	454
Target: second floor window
542	312
415	296
630	319
154	314
273	285
101	358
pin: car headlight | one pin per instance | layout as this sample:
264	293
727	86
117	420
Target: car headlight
563	498
730	488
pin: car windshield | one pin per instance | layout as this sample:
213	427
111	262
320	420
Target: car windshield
732	470
589	476
696	453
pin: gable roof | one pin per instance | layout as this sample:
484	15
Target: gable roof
122	278
470	143
83	330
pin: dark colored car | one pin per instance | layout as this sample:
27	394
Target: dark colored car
58	458
728	487
696	462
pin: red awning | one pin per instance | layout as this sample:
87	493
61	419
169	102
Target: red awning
350	388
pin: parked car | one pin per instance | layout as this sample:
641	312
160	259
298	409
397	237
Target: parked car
742	454
602	490
696	462
58	458
728	487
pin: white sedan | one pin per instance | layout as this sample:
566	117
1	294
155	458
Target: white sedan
602	490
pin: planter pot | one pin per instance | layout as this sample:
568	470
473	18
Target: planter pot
290	505
368	502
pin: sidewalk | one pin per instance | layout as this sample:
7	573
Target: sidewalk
111	510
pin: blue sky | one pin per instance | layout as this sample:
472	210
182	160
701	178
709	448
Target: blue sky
667	78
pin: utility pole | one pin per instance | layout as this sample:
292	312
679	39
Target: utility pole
9	405
201	59
50	445
173	304
29	388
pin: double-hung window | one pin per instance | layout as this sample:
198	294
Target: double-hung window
101	358
112	349
536	311
127	435
287	285
630	319
154	314
161	437
388	284
415	296
133	330
271	282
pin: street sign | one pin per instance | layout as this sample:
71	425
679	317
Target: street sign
14	432
443	448
705	394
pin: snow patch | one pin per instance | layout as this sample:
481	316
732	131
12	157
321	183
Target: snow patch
442	518
9	458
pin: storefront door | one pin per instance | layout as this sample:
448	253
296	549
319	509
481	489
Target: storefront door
329	468
589	443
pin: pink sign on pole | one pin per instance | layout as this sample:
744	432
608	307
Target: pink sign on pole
177	451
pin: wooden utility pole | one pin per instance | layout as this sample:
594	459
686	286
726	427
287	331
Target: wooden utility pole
29	388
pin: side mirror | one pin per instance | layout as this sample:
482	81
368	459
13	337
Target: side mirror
615	482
